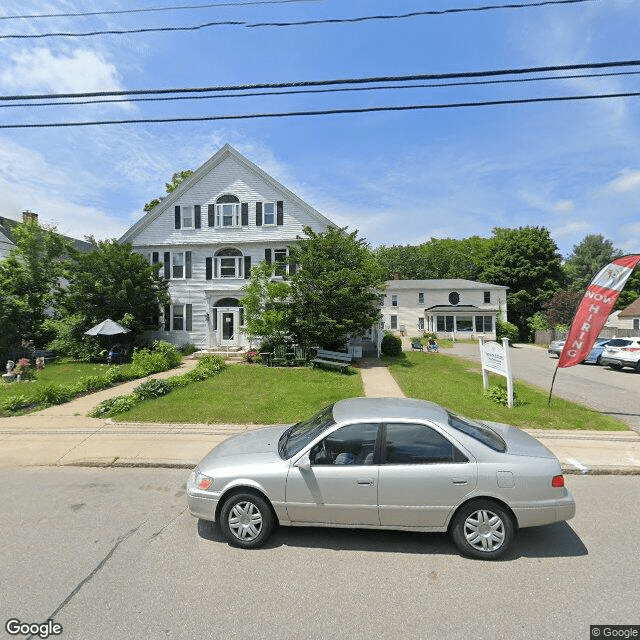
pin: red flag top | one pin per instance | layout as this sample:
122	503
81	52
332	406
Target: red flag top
595	308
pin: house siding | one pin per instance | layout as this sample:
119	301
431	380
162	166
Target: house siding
435	302
226	173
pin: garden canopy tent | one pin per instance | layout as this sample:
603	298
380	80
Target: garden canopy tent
107	328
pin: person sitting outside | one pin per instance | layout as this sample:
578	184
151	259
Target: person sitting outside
432	345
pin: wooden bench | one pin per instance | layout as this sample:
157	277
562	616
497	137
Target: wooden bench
332	359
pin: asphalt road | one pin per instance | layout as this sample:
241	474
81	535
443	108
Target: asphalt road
615	393
113	554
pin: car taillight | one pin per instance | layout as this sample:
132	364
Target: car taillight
557	482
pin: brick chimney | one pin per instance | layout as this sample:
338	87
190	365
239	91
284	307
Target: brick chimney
29	215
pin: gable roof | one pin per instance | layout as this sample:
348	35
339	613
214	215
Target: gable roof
225	152
445	283
633	310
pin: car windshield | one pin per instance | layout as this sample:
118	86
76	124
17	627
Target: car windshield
295	438
477	430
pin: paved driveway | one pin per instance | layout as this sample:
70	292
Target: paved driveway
615	393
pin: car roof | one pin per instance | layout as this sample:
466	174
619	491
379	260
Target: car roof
387	408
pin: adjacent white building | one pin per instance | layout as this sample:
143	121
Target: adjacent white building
462	308
205	237
627	318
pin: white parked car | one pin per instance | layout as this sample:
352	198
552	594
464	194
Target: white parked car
622	352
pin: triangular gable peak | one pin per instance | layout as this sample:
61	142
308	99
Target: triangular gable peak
226	174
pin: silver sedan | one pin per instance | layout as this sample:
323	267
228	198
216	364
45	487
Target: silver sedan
383	463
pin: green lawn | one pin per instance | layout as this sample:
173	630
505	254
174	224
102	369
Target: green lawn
457	384
65	373
250	394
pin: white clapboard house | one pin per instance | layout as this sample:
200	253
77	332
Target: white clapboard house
205	237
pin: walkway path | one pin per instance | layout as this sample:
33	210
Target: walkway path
377	381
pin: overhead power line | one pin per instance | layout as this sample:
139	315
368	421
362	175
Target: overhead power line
336	82
114	12
319	91
241	23
323	112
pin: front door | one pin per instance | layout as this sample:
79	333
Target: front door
228	327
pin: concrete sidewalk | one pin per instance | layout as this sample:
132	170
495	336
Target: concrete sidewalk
63	435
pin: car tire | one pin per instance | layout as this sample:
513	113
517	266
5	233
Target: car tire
616	366
483	529
246	520
638	366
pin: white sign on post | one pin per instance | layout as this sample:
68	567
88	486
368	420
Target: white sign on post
495	358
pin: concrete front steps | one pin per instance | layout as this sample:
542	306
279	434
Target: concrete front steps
230	355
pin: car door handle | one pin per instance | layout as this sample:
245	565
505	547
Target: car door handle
365	482
459	482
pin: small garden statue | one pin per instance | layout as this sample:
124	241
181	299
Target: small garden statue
10	375
40	363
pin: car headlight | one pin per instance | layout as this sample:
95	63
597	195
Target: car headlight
202	481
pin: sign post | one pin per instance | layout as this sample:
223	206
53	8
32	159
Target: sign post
495	359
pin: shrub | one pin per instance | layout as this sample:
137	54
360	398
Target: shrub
53	394
123	403
169	351
391	345
91	383
188	349
152	389
116	374
498	393
102	409
145	362
506	330
15	403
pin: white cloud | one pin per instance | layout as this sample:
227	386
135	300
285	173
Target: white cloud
41	69
626	181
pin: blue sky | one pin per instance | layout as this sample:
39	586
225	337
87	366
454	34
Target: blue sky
397	177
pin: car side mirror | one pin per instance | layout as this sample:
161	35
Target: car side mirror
304	463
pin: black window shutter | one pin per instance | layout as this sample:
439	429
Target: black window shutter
214	318
280	212
155	257
177	217
187	264
209	268
247	267
189	317
267	256
197	217
244	208
258	214
167	265
167	317
211	214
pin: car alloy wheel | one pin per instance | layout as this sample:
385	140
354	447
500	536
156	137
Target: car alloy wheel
246	520
483	529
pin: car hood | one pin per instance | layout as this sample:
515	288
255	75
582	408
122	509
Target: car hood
520	443
257	444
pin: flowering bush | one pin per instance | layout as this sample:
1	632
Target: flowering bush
24	370
252	356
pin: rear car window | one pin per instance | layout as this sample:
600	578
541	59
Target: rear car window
479	431
619	343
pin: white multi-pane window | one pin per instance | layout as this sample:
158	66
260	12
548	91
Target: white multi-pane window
228	264
269	212
177	264
421	324
421	298
186	213
228	214
394	300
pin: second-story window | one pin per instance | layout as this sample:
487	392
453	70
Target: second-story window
228	263
487	296
394	300
177	264
421	298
